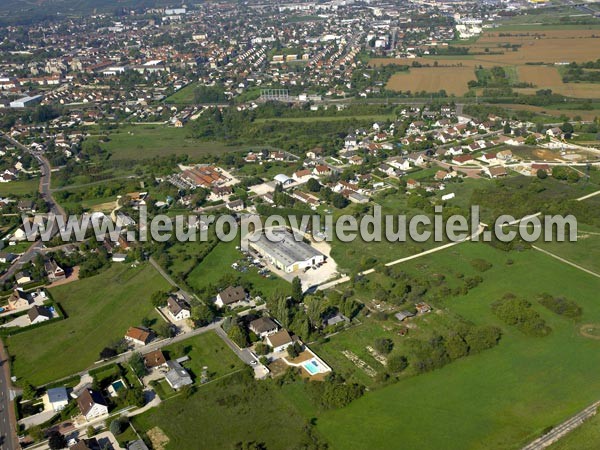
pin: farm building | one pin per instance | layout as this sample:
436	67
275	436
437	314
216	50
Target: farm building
286	252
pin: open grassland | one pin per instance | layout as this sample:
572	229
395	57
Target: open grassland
19	187
230	411
147	141
432	79
100	309
586	437
309	118
501	398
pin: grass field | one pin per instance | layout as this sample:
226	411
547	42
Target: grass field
147	141
229	412
99	309
20	187
586	437
584	252
183	96
372	117
218	264
502	398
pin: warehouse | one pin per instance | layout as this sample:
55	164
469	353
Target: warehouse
285	252
26	102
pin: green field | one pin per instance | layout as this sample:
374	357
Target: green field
147	141
371	117
586	437
501	398
100	309
19	187
184	96
227	412
584	252
218	264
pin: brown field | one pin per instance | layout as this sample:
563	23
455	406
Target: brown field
548	46
548	77
432	79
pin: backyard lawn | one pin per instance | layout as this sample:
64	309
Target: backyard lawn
100	309
501	398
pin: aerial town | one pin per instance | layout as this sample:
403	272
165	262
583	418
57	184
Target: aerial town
128	114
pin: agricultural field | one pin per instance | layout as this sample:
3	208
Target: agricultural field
140	142
501	398
99	311
544	44
433	79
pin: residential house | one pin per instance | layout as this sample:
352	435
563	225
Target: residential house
315	153
19	299
154	360
334	318
461	159
86	444
554	132
504	155
54	271
23	277
56	398
6	258
279	341
137	336
39	314
232	297
399	163
321	170
92	404
263	327
178	308
302	176
138	444
412	184
236	205
496	172
177	376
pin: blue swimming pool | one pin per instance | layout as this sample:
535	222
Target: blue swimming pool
118	385
312	366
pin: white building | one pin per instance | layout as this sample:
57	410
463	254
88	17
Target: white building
56	398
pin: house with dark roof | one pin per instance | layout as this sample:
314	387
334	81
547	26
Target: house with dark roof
178	308
232	297
91	404
54	271
86	444
38	314
263	326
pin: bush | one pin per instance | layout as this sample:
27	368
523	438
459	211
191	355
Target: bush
397	363
481	265
560	306
518	312
384	345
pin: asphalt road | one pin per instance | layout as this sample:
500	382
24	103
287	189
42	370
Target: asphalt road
8	420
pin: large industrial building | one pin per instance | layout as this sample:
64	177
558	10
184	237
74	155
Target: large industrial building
26	102
286	252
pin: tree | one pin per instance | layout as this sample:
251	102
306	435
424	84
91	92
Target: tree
202	314
165	330
542	174
313	185
187	391
117	426
567	128
397	363
297	289
384	345
108	352
137	364
56	441
238	335
135	396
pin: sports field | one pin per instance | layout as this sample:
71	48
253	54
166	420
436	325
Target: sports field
100	309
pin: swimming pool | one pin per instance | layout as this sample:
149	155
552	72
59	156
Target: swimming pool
118	385
312	367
